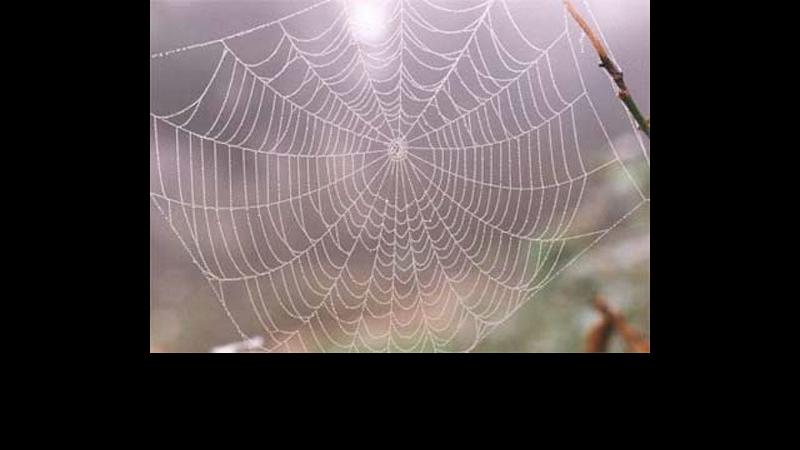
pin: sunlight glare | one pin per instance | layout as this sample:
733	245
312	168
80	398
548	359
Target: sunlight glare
367	19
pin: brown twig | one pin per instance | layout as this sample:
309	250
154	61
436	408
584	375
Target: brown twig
607	63
600	333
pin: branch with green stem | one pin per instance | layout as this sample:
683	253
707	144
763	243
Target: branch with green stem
613	70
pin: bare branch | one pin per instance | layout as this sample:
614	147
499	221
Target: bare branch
600	333
607	63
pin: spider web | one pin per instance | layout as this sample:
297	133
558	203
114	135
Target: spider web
344	188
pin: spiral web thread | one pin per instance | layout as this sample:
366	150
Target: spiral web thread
401	193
